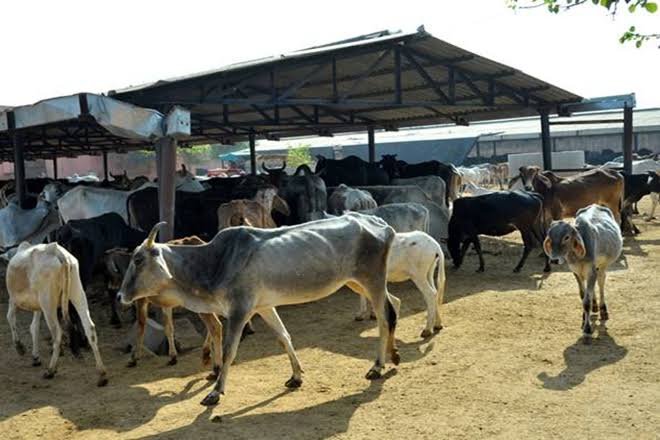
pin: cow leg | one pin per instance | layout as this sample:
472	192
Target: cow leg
440	284
213	342
273	320
430	299
49	307
79	301
587	329
477	247
141	308
235	324
168	327
11	318
34	331
604	316
580	285
386	316
527	248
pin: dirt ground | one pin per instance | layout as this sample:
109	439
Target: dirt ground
509	364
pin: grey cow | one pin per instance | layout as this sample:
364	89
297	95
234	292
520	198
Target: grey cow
245	270
589	248
344	198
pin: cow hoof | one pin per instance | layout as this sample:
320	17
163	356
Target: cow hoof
293	383
36	362
20	348
604	316
437	328
480	270
373	375
172	361
131	364
396	358
115	322
516	270
211	399
359	318
426	333
103	381
372	317
49	374
547	269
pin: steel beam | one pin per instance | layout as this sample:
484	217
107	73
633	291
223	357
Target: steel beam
627	139
166	186
253	153
55	167
546	144
19	171
372	144
105	165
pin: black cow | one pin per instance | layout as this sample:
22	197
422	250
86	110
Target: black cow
636	186
400	169
496	214
88	240
351	171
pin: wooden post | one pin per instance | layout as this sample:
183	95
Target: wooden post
19	171
627	139
372	144
546	144
253	154
55	167
105	165
166	186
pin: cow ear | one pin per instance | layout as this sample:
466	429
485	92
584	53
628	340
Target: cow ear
547	246
151	239
578	246
543	182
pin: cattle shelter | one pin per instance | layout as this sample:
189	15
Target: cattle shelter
380	81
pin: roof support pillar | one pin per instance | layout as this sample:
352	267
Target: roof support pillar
253	153
19	171
166	148
372	144
105	165
546	144
627	138
55	167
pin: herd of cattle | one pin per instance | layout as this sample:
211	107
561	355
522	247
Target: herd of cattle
248	244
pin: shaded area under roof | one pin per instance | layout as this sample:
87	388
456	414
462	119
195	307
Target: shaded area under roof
385	80
78	124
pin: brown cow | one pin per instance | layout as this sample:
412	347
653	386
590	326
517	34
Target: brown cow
236	212
563	197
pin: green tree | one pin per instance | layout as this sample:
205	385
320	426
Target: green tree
612	6
298	155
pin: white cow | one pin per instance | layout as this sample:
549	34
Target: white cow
42	278
33	225
415	256
345	198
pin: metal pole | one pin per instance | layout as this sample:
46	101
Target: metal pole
372	144
166	186
19	171
627	139
546	144
105	165
253	154
55	167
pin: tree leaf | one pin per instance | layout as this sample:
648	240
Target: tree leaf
651	7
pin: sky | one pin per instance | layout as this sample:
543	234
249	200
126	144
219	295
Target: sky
53	48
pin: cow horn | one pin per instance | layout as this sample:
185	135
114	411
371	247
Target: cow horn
265	168
283	165
151	239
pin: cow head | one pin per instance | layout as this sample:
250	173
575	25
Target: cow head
527	176
563	239
52	192
390	165
276	175
147	273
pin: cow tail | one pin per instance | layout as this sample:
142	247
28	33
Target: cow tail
65	286
128	209
440	279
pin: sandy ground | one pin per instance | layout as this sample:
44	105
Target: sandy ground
509	364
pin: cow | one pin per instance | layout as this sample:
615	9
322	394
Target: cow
116	262
433	186
563	197
89	239
589	248
275	175
245	270
351	171
473	189
496	214
400	169
237	212
345	198
32	225
636	187
42	278
403	217
305	194
416	256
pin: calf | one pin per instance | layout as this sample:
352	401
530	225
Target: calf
496	214
344	198
589	248
416	256
236	212
636	187
245	270
42	278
